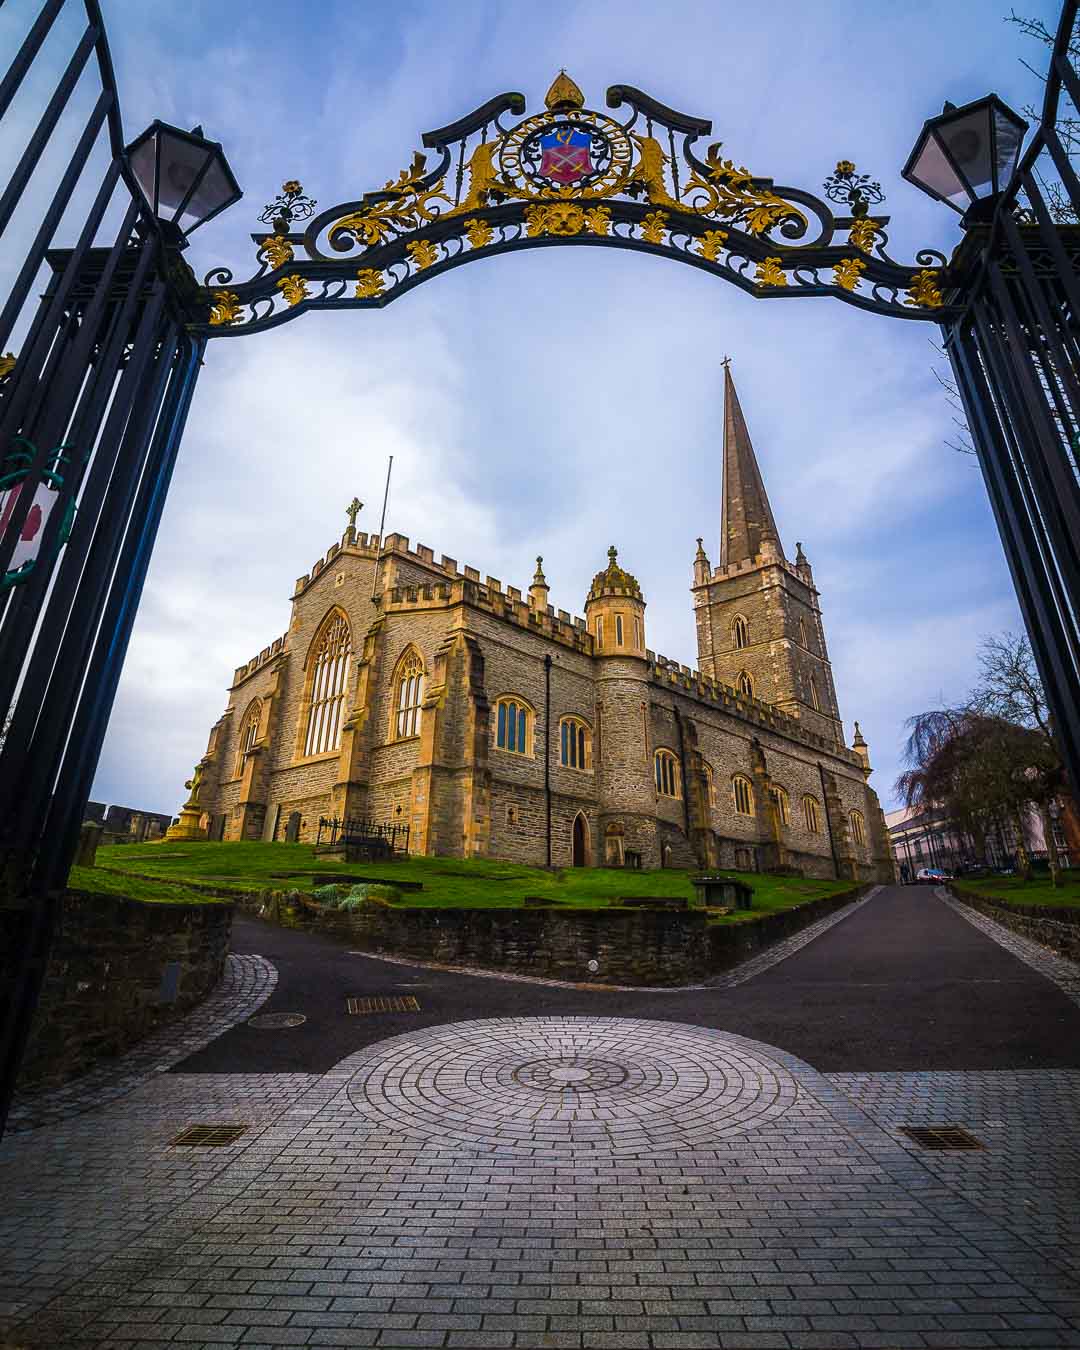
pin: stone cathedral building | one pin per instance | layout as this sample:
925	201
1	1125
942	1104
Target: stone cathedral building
408	690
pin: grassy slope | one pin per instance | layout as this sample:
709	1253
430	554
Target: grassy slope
1038	891
481	883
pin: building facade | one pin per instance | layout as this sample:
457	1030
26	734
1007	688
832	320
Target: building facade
409	691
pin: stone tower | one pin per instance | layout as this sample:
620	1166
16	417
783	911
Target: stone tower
758	618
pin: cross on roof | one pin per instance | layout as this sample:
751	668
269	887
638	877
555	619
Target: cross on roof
353	510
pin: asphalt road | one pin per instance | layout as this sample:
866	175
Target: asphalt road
902	984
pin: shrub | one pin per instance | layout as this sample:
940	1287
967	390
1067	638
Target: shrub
331	895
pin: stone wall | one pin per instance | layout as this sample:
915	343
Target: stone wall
1058	929
118	970
630	946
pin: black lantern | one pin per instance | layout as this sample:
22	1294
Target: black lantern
185	179
966	156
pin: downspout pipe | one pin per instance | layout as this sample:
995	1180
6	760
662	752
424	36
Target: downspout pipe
682	770
828	822
547	749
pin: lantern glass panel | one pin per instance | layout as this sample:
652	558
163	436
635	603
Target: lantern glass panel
211	194
933	172
966	141
181	164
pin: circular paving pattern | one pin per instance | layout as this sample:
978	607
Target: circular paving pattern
570	1085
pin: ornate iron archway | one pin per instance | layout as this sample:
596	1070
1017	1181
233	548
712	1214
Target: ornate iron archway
571	175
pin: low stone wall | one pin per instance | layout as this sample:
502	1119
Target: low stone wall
1058	929
629	946
118	970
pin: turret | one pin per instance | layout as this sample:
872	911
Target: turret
702	568
615	611
862	750
538	591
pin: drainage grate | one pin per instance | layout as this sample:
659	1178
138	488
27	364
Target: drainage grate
208	1136
941	1136
393	1003
276	1021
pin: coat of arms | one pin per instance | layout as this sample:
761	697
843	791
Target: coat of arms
566	154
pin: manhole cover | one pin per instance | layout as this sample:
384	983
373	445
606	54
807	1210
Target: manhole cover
208	1136
393	1003
276	1021
941	1136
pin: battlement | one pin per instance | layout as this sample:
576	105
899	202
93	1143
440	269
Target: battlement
256	662
747	565
704	687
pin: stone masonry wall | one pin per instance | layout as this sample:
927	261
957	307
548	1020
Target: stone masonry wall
118	970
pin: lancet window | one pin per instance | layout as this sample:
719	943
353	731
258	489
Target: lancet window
812	814
576	744
513	726
408	695
249	734
329	674
740	632
746	684
742	794
858	827
667	774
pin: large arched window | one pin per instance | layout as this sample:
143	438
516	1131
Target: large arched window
710	785
811	814
779	798
328	675
740	632
742	794
858	827
249	734
667	774
746	684
575	741
408	687
513	726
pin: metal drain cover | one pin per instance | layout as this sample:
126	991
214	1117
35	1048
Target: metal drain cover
392	1003
276	1021
208	1136
941	1137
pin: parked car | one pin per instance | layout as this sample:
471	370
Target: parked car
931	876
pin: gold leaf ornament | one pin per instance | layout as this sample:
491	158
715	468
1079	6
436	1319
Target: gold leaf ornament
770	272
925	291
406	205
294	288
561	218
225	308
711	243
862	234
654	227
848	272
276	250
7	364
423	253
369	283
598	219
478	232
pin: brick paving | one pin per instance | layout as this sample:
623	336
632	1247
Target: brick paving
562	1181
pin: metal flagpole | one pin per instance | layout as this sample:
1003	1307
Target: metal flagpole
382	527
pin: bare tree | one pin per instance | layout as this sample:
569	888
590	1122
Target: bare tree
1068	128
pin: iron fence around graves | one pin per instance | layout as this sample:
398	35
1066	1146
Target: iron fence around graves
393	838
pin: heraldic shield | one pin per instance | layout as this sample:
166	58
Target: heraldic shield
566	154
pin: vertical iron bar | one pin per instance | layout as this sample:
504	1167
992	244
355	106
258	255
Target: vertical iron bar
24	58
30	156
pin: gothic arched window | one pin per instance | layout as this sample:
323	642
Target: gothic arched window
408	686
667	774
575	744
780	799
742	794
811	814
513	726
858	828
710	785
328	675
746	684
814	693
249	734
740	632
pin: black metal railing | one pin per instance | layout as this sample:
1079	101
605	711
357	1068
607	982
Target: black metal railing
392	839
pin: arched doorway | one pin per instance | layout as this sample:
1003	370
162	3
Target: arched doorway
581	841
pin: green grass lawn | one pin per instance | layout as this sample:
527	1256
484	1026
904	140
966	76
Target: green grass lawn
448	882
1038	891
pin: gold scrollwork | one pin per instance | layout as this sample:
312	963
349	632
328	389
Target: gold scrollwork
423	253
654	227
478	232
369	283
711	243
408	208
225	308
561	218
598	219
848	272
924	290
7	364
770	272
862	233
293	288
731	194
276	250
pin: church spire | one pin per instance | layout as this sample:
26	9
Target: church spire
747	527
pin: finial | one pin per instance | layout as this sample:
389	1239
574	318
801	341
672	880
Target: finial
564	95
858	736
800	556
726	362
700	547
612	554
538	577
353	510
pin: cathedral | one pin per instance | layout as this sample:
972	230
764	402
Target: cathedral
409	691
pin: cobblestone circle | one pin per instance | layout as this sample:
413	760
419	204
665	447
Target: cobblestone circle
569	1086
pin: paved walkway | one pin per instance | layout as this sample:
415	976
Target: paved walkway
549	1175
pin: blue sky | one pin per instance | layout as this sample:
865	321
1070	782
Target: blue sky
561	400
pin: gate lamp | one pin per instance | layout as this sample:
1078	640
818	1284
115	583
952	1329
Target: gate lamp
184	178
966	156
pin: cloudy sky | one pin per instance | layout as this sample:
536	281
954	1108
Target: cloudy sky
560	400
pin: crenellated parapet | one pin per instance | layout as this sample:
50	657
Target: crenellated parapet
257	662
